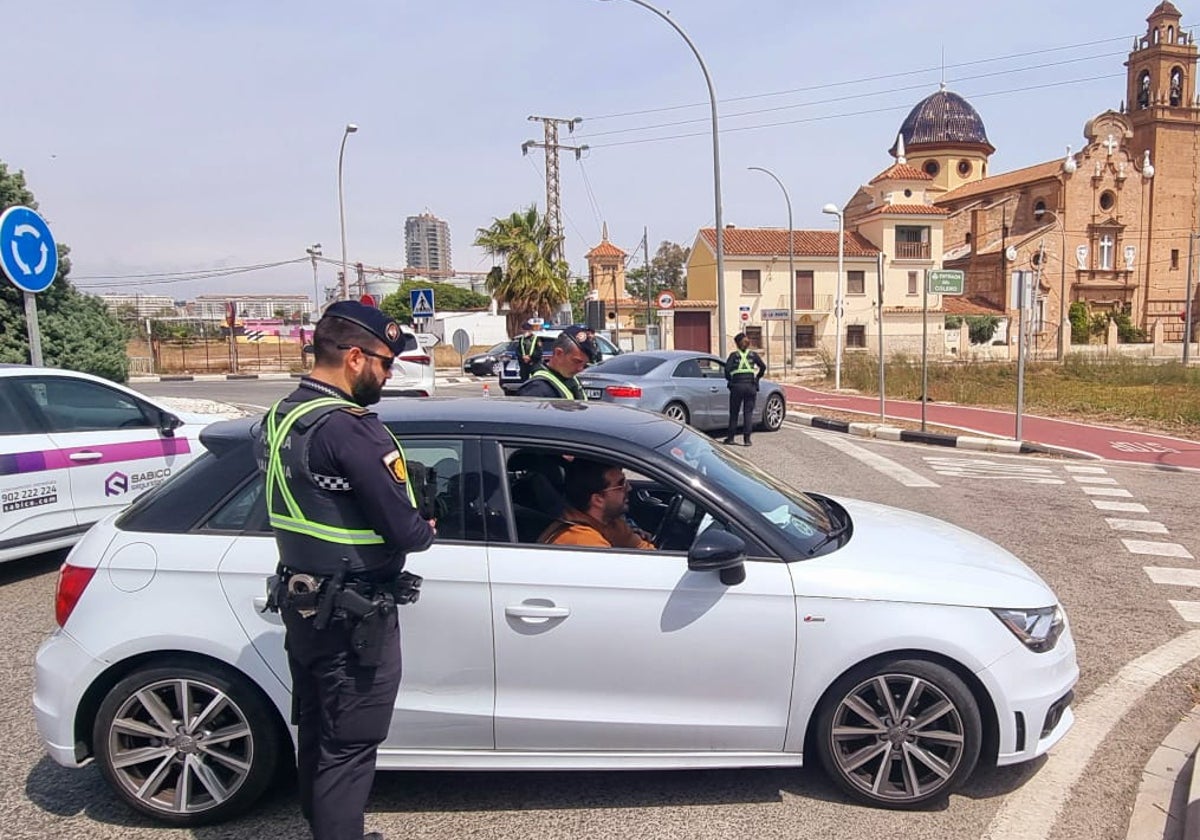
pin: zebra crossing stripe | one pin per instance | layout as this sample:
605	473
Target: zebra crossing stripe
1120	507
1188	610
1107	491
1093	479
1087	470
1142	526
1158	549
1174	577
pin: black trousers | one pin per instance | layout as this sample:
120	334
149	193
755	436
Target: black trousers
742	396
343	711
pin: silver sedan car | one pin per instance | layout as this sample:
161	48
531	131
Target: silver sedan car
685	385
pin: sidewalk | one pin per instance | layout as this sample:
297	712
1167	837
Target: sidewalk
1037	433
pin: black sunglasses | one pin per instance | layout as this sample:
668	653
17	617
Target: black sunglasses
387	361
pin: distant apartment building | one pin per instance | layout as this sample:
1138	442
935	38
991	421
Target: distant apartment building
144	305
427	244
212	307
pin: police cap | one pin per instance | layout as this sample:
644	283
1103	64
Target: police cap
582	337
370	319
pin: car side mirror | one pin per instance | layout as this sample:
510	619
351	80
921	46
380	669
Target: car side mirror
719	551
168	423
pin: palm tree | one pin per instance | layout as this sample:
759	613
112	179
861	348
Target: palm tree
531	278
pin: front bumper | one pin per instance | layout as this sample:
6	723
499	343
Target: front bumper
64	670
1032	693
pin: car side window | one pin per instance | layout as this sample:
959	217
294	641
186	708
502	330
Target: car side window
14	419
711	368
244	511
688	369
435	469
75	405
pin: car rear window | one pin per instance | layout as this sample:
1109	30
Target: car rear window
184	499
628	365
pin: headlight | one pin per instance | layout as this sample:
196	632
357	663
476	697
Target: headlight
1038	629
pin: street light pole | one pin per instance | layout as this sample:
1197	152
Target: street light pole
833	210
791	268
314	252
712	99
350	129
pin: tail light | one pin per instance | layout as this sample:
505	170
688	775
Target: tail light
416	360
72	580
624	391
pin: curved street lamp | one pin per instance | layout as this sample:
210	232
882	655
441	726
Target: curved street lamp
350	129
712	99
791	267
832	209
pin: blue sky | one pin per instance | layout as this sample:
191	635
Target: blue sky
166	136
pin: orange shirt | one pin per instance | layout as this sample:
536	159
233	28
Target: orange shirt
577	528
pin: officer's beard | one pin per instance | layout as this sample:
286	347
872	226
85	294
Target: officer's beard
366	389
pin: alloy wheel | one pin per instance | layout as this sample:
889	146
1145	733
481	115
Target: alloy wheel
676	411
773	413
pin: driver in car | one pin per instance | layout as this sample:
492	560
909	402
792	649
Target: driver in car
597	501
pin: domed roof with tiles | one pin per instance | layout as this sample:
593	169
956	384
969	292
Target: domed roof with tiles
944	119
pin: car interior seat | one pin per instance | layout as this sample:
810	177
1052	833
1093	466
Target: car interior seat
536	481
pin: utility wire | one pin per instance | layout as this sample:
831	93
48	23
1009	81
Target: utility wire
587	183
144	280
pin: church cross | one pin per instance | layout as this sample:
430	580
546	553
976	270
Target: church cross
1110	144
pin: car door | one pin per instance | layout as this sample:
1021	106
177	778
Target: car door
611	650
109	439
712	370
690	386
35	490
447	690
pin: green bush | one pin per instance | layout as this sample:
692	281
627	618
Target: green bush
1078	314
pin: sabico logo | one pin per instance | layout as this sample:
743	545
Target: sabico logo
116	484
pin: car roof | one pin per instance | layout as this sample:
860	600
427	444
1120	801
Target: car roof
566	420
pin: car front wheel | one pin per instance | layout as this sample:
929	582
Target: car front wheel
899	734
774	410
186	745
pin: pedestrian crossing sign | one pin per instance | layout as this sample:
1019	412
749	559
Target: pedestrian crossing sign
421	303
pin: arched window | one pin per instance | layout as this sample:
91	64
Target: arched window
1039	210
1176	94
1170	34
1143	92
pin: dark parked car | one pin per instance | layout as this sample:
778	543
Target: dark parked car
510	368
486	363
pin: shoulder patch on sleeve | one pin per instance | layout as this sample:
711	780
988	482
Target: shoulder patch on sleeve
395	467
356	410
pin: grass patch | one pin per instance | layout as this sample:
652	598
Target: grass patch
1165	396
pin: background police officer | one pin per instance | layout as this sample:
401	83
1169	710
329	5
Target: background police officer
569	354
529	349
344	517
742	380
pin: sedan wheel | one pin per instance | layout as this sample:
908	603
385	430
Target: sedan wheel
676	411
774	411
899	734
186	745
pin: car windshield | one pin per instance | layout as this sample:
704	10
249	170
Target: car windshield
800	517
633	364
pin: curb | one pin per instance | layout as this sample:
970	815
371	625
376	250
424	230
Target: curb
1168	799
973	442
212	377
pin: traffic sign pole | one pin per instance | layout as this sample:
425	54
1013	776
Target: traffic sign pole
35	334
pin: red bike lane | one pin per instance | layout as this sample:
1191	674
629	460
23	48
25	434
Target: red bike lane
1098	441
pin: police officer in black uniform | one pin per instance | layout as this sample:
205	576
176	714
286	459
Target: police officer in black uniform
570	353
529	350
344	516
742	380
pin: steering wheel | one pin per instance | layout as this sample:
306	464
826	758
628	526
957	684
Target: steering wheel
668	517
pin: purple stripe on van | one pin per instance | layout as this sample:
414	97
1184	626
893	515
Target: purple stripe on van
60	459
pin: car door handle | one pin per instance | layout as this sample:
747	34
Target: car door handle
260	607
86	456
534	611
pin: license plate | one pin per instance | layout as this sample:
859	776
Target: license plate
593	393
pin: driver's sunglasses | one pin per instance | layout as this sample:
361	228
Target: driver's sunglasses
387	361
622	485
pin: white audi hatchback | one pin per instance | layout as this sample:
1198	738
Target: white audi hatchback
74	448
770	627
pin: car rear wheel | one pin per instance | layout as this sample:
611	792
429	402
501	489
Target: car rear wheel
774	410
186	745
676	411
899	734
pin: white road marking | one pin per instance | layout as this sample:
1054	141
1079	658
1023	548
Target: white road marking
888	467
1142	526
1093	479
1158	549
1107	491
1087	470
1188	610
1030	812
988	470
1173	577
1120	507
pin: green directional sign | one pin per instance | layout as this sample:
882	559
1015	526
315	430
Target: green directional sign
943	281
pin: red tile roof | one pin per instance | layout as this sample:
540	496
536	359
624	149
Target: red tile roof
695	304
605	249
901	172
773	242
905	210
1005	181
969	305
